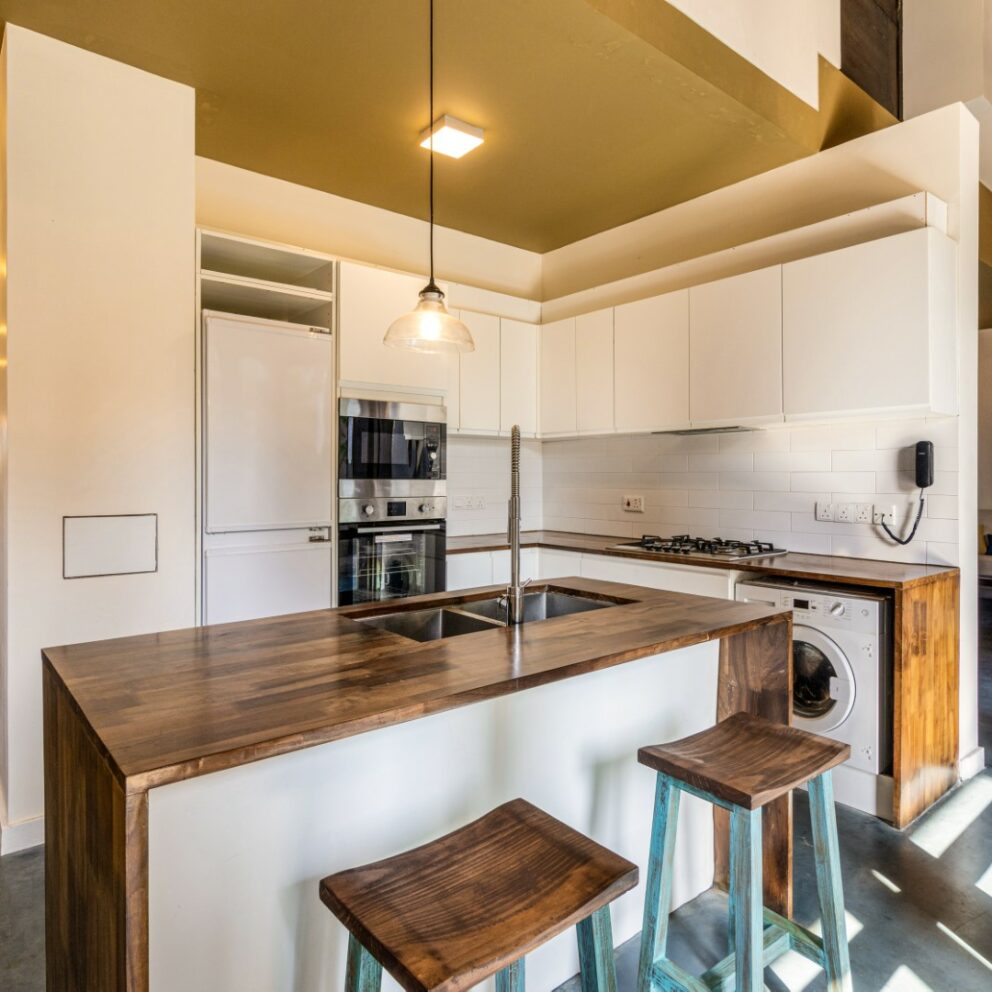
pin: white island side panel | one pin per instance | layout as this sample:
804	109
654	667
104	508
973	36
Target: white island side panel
235	857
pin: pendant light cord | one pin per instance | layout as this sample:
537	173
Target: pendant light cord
431	46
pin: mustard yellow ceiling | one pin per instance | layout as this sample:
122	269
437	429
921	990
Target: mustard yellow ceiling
596	112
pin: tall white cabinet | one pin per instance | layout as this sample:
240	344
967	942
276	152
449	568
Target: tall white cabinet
558	396
594	372
872	328
651	363
478	378
370	300
519	344
735	350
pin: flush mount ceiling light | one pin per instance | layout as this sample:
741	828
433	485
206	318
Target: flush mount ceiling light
452	137
429	327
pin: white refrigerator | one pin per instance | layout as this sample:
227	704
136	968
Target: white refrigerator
268	446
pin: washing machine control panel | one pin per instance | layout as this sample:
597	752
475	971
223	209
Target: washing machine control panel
824	610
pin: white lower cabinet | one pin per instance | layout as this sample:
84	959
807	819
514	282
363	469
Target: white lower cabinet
675	578
466	571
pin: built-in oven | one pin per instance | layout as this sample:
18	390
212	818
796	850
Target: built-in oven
390	548
391	500
393	443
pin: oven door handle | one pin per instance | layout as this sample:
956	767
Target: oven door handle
387	530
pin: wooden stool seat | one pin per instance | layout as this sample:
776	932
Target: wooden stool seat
449	914
746	761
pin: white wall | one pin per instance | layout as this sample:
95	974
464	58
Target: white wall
99	217
781	37
479	469
232	199
761	485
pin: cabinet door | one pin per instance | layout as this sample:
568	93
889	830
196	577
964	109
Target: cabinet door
466	571
871	327
594	371
529	566
651	372
518	375
558	377
479	375
370	300
735	350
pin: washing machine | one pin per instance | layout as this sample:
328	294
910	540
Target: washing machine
842	664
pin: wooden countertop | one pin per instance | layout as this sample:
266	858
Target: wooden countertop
170	706
821	568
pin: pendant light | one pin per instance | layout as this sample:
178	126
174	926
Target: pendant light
429	327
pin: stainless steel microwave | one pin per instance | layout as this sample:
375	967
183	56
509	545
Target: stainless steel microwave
391	449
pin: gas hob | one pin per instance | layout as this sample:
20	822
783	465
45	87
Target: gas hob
702	548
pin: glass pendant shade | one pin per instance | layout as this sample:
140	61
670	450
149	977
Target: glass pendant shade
429	328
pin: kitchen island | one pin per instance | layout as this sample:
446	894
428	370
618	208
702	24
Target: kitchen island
199	782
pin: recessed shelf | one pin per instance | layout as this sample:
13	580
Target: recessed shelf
259	297
229	253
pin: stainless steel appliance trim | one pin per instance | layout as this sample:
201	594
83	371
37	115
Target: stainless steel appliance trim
352	511
405	528
390	488
424	413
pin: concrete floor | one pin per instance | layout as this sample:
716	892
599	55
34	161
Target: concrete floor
919	906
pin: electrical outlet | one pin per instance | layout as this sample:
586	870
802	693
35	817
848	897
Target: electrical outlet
462	503
862	513
824	511
633	504
884	515
478	502
844	512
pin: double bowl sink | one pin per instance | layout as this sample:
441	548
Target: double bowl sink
435	623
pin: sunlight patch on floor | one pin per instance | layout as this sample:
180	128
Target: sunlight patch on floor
905	980
985	882
941	828
964	945
887	882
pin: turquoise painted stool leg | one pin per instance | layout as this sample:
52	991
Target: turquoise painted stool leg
658	887
837	962
595	935
746	898
511	978
362	972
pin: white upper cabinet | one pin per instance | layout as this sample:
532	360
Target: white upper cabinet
651	363
479	376
558	395
872	328
370	300
735	350
594	372
518	375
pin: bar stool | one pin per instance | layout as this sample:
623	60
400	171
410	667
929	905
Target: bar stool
446	916
741	764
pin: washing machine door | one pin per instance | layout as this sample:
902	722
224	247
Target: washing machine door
823	685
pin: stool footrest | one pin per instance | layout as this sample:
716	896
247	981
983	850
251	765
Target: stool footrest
801	940
779	936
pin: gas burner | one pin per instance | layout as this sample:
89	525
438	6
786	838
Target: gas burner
687	546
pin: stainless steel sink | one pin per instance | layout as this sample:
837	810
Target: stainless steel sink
430	625
538	606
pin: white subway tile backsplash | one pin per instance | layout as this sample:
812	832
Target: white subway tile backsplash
835	482
762	484
722	499
792	461
722	461
755	481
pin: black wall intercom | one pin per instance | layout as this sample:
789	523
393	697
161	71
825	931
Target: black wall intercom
924	464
